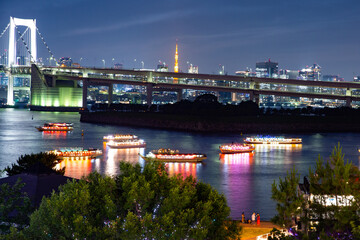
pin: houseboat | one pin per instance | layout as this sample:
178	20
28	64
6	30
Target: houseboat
236	148
168	155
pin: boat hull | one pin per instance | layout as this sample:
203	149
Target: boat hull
271	143
236	151
42	129
126	146
194	160
79	157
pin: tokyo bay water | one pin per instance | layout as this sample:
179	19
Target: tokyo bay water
245	179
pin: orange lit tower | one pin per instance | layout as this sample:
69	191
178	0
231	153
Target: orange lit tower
176	67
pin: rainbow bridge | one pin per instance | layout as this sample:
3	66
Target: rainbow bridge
68	86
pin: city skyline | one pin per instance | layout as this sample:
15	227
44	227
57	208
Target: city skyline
235	35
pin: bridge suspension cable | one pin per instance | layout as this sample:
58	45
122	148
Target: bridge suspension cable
3	32
25	44
47	47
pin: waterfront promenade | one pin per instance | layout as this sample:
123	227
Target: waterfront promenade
252	231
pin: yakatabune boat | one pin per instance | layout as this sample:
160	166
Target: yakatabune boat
56	127
272	140
76	153
119	137
236	148
131	143
168	155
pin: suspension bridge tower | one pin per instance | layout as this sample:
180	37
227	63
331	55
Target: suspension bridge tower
31	24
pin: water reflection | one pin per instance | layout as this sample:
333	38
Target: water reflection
237	158
276	153
79	168
238	181
114	156
184	169
277	147
54	134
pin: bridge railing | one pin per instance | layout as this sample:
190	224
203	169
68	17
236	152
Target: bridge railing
247	84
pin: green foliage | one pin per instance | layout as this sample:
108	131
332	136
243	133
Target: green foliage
333	178
337	179
80	210
15	206
138	204
289	201
27	161
161	206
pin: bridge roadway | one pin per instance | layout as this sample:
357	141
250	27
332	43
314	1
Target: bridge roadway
170	81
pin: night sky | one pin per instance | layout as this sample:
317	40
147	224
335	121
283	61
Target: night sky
233	33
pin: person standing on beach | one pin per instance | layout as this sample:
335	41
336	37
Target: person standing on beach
243	217
258	219
253	216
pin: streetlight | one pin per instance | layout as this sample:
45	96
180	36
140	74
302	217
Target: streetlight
103	62
142	64
80	61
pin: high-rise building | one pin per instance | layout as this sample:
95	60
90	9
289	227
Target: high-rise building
176	66
267	69
311	73
357	79
118	66
332	78
193	69
162	67
288	74
65	62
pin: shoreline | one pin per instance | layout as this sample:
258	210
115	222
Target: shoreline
215	123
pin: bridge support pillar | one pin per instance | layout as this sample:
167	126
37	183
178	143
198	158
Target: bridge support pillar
10	90
254	97
110	94
149	91
84	95
149	77
348	102
179	95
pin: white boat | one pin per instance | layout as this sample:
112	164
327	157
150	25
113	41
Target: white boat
119	137
76	153
132	143
272	140
168	155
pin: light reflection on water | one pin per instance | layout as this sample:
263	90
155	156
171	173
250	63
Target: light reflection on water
55	134
184	169
79	168
245	179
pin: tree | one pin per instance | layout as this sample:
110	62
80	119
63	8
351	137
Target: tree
81	210
332	203
161	206
340	181
27	161
289	200
15	206
138	204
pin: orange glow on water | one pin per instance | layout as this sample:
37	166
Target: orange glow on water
184	169
77	168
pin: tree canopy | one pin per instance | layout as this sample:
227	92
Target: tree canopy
15	206
332	203
138	204
289	200
30	163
